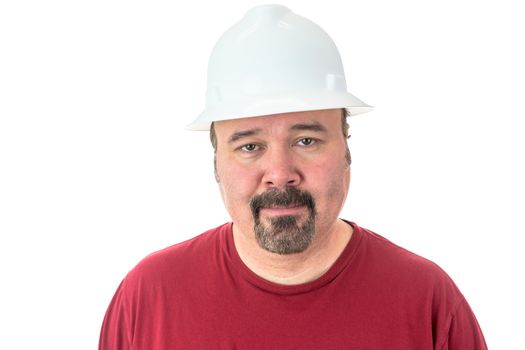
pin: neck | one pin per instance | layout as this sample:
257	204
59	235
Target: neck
294	268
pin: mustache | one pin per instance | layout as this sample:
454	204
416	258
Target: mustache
289	197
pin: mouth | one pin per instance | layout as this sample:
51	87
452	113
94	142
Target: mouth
282	210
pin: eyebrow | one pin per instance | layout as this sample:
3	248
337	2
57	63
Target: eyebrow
315	126
243	133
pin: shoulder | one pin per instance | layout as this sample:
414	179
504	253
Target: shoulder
180	259
400	266
418	286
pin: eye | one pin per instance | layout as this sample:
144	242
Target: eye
251	147
306	141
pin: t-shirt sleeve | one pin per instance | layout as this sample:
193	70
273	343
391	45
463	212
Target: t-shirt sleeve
115	333
464	332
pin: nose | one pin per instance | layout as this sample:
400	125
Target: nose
281	169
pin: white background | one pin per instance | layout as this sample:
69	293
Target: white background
96	169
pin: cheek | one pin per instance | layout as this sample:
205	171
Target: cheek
237	187
238	184
331	180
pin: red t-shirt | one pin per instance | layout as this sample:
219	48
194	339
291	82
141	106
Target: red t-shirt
198	294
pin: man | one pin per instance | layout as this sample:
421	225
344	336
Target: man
286	273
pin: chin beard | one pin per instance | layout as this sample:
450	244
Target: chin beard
284	234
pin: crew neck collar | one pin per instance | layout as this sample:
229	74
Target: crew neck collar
342	262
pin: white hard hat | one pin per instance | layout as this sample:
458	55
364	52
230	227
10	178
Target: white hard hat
274	61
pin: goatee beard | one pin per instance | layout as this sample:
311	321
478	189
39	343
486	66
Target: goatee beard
284	234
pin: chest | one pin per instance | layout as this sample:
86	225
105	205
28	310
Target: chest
239	318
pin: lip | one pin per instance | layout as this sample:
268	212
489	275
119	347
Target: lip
278	211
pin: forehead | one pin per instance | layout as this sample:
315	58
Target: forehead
329	118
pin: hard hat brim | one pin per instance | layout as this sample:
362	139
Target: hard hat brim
268	105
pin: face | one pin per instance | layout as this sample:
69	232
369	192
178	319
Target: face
284	177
